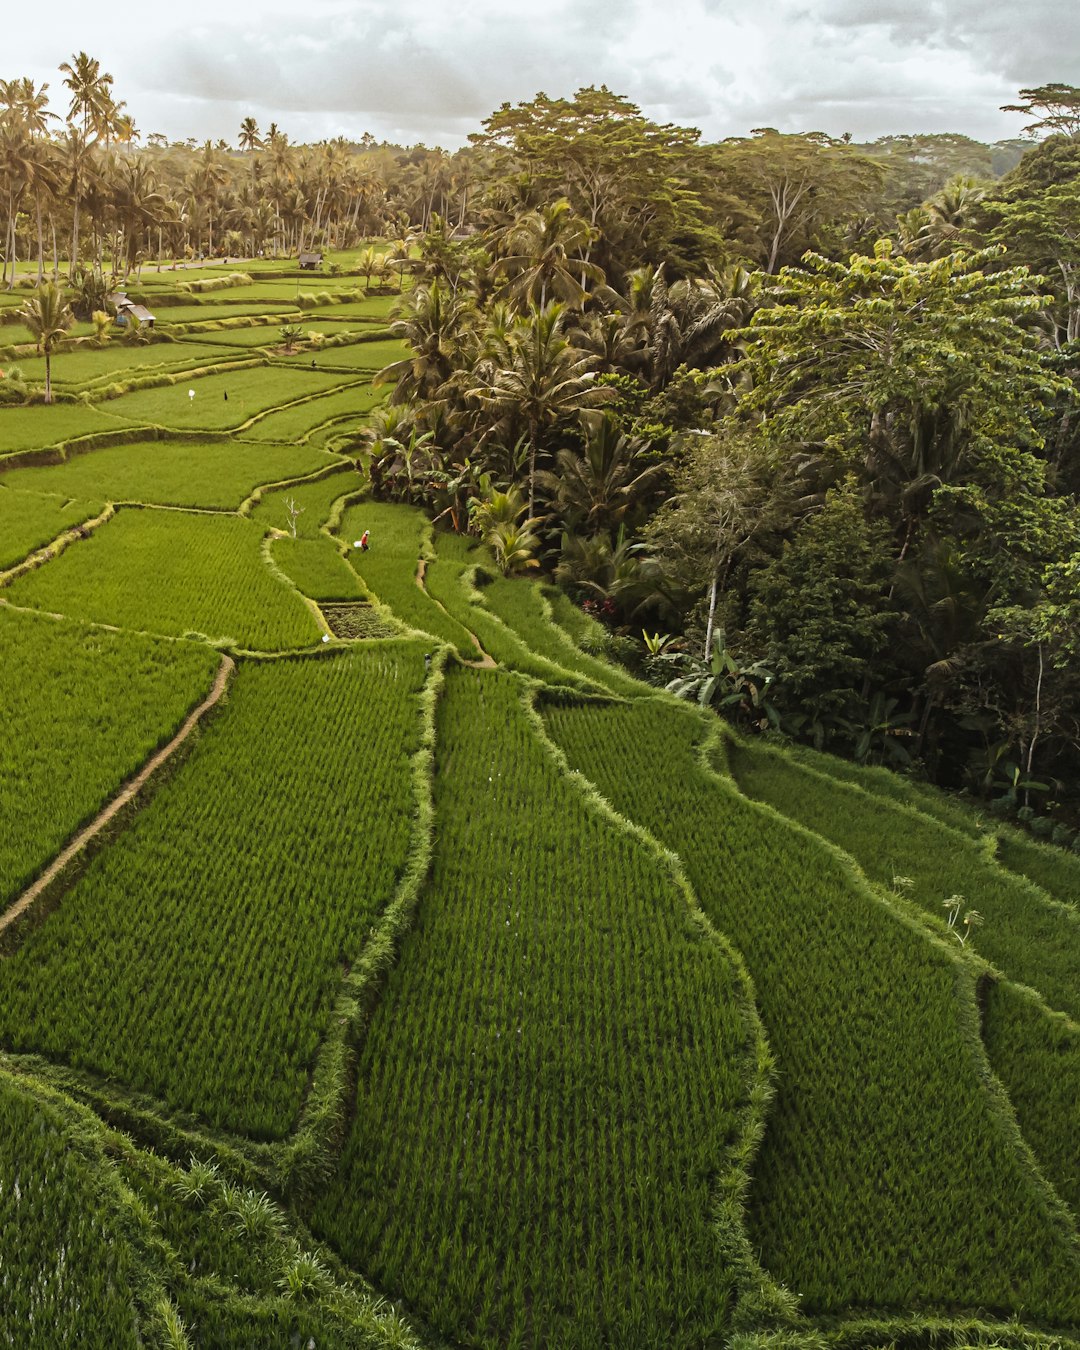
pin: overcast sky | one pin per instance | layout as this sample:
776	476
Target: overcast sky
419	70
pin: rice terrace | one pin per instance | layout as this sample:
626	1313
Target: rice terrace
540	750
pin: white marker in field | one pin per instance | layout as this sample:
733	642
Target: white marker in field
356	543
190	394
326	637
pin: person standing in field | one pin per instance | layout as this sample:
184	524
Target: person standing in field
364	542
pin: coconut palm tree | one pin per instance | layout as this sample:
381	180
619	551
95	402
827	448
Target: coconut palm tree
249	138
91	91
547	381
543	259
48	316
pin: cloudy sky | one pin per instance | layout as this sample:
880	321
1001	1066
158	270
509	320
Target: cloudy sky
420	70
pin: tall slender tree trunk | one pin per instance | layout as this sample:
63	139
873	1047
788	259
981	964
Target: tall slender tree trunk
40	241
48	373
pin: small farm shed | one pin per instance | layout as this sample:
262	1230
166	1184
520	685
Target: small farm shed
309	261
127	309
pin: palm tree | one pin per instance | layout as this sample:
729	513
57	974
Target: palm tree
548	380
48	316
91	91
543	259
249	135
434	323
601	486
77	164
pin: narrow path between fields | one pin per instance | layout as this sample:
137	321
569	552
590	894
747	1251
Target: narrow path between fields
125	795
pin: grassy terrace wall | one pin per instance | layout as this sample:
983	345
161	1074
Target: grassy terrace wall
890	1175
552	1077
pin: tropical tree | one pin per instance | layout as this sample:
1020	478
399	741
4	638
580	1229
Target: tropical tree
249	138
48	316
546	381
545	259
91	92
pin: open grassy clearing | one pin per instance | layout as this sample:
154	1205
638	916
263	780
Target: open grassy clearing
378	307
218	474
198	958
13	334
888	1176
388	570
551	1081
65	1272
1026	935
29	520
95	708
164	571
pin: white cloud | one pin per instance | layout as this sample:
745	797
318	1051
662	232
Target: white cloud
415	69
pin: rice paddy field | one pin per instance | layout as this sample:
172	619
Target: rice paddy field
383	967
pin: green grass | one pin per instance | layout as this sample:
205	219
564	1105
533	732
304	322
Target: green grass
316	568
37	427
29	520
299	423
1031	939
169	572
249	392
551	1080
1036	1054
367	356
888	1177
89	366
523	606
1056	871
65	1273
217	474
199	957
83	710
388	569
315	499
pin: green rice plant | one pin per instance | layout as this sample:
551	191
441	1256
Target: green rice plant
90	367
523	606
40	426
30	520
451	579
298	422
199	957
174	573
388	570
1056	871
363	356
1036	1054
316	568
215	474
172	316
1024	932
83	710
250	392
949	810
64	1272
891	1174
269	506
551	1078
